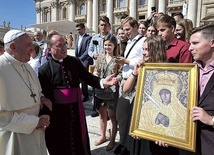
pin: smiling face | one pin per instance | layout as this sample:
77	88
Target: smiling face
21	48
109	47
130	31
180	32
59	48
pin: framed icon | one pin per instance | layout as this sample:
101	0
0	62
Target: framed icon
164	96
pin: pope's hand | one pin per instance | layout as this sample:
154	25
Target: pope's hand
44	122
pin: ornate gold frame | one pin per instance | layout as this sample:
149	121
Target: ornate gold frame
176	128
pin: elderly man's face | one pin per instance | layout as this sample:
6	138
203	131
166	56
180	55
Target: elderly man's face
59	47
22	48
38	36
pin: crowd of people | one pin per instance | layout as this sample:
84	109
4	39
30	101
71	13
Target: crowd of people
48	113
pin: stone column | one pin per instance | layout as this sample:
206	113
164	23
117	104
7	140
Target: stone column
95	15
192	11
38	15
54	11
133	8
110	12
89	14
161	6
151	3
72	11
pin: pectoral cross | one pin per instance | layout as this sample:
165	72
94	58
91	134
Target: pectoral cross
33	95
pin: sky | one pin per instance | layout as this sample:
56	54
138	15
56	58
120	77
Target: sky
18	12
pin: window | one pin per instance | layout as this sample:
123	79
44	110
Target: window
82	9
142	18
47	15
104	7
142	2
64	13
122	3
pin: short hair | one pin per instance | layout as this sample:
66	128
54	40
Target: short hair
167	20
82	25
132	21
206	30
179	14
36	47
39	32
1	43
104	19
123	16
49	38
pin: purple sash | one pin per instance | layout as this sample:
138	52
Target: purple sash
65	96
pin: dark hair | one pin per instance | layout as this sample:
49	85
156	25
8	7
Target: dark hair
36	47
49	38
104	19
179	14
206	30
123	16
145	23
81	25
164	90
1	43
167	20
111	38
153	25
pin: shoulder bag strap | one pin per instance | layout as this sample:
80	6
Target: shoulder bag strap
133	46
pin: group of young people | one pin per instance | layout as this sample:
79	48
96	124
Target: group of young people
164	44
49	112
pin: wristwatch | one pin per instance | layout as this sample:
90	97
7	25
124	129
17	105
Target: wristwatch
212	119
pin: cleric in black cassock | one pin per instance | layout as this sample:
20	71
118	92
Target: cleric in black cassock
60	79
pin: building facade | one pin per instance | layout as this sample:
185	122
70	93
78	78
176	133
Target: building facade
89	11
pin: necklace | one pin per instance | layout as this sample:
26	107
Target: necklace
33	95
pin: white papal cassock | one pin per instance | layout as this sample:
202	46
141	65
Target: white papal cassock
18	110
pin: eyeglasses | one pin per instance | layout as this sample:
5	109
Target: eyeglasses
58	47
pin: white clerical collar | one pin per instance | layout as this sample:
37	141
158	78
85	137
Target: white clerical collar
12	59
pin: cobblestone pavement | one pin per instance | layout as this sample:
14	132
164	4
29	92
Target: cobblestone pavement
94	132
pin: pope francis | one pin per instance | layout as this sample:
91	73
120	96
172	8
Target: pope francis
21	127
